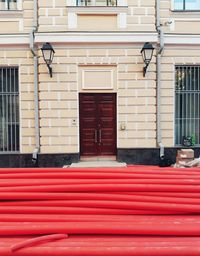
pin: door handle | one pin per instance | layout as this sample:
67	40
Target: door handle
99	136
95	136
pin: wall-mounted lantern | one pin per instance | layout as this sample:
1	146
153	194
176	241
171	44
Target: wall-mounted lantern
48	53
147	53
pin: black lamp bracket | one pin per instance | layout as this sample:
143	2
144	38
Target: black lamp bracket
50	70
145	69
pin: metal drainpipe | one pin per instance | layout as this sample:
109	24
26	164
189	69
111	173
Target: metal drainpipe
158	79
36	94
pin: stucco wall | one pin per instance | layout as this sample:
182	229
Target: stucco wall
19	21
178	22
137	15
22	58
59	97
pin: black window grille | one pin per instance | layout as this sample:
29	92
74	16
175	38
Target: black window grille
9	109
96	2
187	105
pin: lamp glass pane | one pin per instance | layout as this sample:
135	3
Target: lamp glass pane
148	55
143	55
52	55
47	56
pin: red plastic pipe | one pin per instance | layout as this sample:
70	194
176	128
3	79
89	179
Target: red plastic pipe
166	194
96	217
105	204
103	243
103	251
78	210
17	196
28	182
118	228
108	244
10	240
144	169
37	240
104	188
95	175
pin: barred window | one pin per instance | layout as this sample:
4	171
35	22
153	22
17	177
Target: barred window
187	105
96	2
8	4
9	110
186	5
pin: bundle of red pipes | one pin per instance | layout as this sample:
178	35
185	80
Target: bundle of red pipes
134	210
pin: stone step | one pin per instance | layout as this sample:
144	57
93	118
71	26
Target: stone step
99	163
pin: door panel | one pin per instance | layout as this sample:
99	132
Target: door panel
106	123
88	123
97	124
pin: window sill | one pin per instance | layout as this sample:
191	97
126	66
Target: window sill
9	152
98	9
184	147
11	14
185	11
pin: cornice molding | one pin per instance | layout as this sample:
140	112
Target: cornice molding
187	39
93	37
14	39
98	38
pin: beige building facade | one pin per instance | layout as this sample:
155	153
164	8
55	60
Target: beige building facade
98	102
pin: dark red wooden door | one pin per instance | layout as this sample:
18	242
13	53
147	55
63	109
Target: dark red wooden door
97	124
